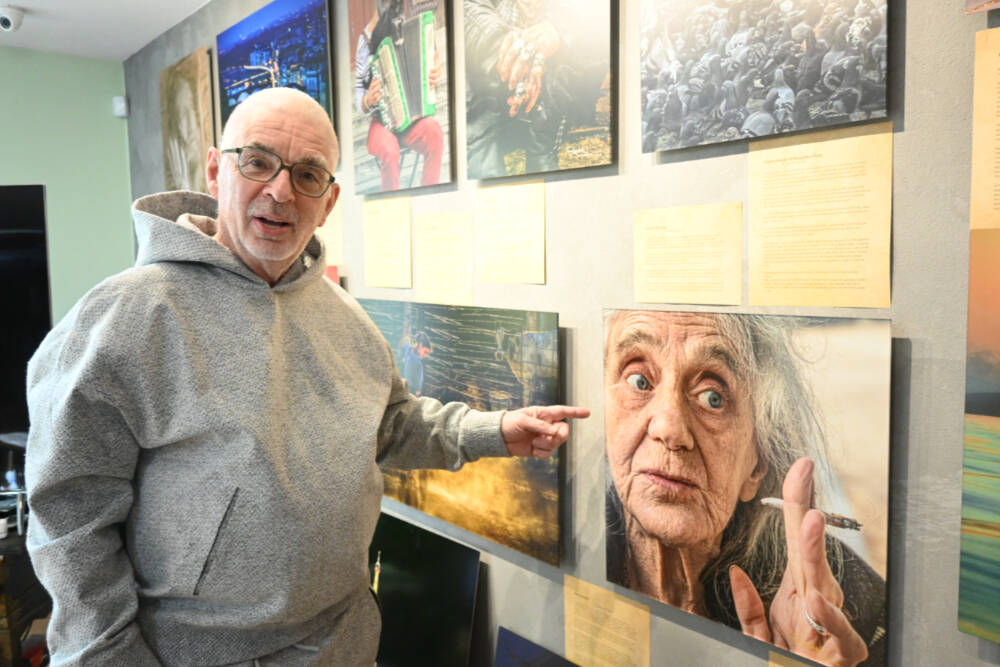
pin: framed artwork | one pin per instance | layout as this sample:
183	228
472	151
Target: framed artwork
490	359
186	116
714	72
426	586
979	573
721	430
400	104
539	86
282	44
513	650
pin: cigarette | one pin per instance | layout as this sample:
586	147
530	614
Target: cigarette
835	520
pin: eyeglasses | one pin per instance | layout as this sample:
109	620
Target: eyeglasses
263	166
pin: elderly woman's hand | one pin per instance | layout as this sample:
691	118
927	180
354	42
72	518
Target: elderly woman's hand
805	616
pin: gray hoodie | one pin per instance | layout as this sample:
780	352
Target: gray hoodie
203	458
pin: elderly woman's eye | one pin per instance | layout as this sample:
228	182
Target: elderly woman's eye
710	399
638	381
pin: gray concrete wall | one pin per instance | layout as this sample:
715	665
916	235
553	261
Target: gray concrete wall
589	266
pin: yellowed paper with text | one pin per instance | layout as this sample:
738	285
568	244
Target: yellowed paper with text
510	234
689	254
443	258
387	242
984	209
820	214
604	629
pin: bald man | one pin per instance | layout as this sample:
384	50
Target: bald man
207	427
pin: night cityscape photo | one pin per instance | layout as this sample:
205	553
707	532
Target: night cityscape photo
284	44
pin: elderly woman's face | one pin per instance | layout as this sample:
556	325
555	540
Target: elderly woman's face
678	425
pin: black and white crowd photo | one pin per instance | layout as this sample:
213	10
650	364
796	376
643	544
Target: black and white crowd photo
723	70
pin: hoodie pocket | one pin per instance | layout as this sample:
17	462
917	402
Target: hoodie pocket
219	531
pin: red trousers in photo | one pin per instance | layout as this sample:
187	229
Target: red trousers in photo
424	136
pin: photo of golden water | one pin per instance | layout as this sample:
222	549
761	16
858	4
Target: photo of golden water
499	499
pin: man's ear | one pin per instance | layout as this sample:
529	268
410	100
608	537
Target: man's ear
212	171
752	483
334	196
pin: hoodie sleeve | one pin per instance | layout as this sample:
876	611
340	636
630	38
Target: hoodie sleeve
80	460
424	433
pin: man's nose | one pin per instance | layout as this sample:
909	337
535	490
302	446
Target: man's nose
280	187
669	419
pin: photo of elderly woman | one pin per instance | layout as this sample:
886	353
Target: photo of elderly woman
709	414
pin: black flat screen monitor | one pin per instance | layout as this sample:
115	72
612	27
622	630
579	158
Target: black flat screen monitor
513	650
427	589
24	299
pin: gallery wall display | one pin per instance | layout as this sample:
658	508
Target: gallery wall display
490	359
979	577
706	415
714	72
283	44
539	87
426	585
400	98
186	116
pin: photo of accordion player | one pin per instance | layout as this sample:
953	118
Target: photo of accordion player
398	69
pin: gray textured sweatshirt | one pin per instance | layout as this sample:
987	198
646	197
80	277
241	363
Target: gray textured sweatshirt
203	458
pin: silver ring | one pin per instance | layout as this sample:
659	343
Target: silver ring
814	625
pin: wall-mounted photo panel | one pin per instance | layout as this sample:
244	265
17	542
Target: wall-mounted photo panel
539	89
400	103
708	414
513	650
490	359
426	585
283	44
714	72
186	113
979	575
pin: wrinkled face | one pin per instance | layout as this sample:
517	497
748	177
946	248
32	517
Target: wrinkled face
679	426
269	224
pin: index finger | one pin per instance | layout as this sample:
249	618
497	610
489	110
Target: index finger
815	566
797	495
554	413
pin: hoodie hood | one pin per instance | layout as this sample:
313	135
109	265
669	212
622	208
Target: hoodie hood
179	227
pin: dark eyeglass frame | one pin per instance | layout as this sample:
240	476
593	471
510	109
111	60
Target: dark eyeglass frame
283	165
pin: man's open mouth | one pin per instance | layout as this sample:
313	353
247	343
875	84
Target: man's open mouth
274	224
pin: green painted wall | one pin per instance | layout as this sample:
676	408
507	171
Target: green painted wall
57	130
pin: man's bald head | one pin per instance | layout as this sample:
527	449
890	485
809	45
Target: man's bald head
272	103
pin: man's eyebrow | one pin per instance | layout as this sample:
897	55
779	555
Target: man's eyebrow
263	146
313	162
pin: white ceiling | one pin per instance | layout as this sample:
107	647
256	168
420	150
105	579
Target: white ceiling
110	29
